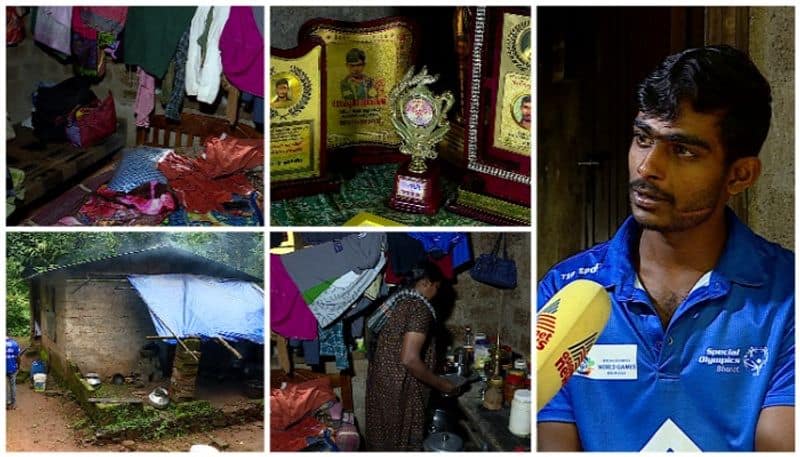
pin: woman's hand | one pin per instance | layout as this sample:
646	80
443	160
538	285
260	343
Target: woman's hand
448	387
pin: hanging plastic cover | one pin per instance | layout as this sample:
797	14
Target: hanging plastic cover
191	305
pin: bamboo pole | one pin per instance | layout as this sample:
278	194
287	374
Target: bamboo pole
191	353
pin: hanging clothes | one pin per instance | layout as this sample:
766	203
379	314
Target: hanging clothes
109	19
439	244
331	343
145	98
331	304
203	62
84	46
242	48
315	268
289	315
53	28
405	252
15	26
151	36
173	87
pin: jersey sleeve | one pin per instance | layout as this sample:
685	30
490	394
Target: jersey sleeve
559	409
781	386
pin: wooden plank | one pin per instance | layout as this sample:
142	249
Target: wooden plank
230	348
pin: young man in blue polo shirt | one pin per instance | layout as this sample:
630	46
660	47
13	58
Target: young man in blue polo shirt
698	353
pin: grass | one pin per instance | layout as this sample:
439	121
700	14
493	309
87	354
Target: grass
150	423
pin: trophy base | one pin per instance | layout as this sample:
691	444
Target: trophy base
416	192
489	209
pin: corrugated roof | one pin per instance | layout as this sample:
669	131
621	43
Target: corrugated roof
160	246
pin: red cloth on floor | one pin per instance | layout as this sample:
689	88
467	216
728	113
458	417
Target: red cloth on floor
203	185
294	439
291	404
107	207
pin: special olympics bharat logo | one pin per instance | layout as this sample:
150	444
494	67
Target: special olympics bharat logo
755	359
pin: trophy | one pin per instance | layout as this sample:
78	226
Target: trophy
420	119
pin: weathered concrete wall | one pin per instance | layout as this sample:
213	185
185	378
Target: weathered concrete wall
487	308
105	324
771	201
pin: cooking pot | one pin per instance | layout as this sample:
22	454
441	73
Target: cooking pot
440	421
443	442
93	379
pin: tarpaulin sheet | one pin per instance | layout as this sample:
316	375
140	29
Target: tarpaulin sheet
202	306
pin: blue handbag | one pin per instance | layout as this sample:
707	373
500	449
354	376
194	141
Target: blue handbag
494	270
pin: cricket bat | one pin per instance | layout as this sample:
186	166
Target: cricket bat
566	328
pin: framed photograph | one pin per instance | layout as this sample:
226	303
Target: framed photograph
297	121
364	62
498	118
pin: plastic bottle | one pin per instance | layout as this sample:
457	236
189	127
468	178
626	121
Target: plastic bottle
469	346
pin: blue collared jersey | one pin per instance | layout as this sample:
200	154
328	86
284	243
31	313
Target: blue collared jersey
12	352
727	352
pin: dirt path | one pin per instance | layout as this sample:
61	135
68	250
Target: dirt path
43	423
40	423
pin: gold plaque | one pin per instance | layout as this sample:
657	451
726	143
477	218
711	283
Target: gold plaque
295	116
512	117
364	62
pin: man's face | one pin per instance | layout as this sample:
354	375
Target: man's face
526	111
356	69
677	170
283	91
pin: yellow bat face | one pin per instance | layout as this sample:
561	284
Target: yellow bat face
566	328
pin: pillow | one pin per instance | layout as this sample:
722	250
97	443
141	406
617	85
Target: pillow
138	166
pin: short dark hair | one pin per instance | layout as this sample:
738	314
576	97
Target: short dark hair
424	269
713	79
525	99
355	55
282	82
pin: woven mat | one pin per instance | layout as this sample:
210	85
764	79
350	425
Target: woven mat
367	191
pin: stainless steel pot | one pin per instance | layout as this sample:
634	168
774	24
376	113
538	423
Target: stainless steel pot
93	379
443	442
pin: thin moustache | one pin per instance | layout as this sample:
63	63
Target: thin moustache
649	190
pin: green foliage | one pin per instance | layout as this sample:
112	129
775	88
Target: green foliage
32	252
150	423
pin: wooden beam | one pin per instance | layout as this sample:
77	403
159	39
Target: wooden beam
191	353
230	348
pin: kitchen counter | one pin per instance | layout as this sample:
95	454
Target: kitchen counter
490	427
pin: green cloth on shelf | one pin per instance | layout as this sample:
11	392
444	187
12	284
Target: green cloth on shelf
367	191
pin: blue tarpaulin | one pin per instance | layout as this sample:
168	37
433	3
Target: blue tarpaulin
191	305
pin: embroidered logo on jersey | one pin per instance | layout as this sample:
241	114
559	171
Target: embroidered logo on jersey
731	360
670	438
587	366
610	362
583	271
755	359
546	324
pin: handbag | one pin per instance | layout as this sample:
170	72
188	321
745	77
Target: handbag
52	106
494	270
90	124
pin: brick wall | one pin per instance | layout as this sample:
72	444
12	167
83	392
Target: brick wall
105	324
